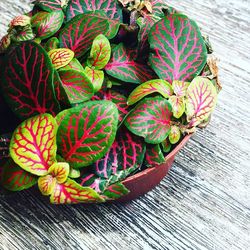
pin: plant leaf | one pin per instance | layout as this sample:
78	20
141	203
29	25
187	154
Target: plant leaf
77	85
175	135
52	43
61	57
33	144
124	67
96	77
150	119
46	184
15	178
126	152
178	105
79	33
27	81
180	87
51	5
201	100
21	20
154	156
59	170
47	24
86	132
115	191
110	7
178	51
24	34
100	52
74	64
71	192
150	87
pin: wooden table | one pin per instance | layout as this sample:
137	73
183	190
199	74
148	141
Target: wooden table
205	201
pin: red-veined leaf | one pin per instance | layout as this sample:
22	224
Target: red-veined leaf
180	87
77	85
33	144
201	100
71	192
47	24
100	52
150	119
115	191
154	156
27	81
117	98
60	171
110	7
5	42
79	33
52	43
61	57
15	178
126	152
124	67
23	34
73	65
166	146
86	132
150	87
96	77
51	5
20	21
46	184
178	51
178	105
175	134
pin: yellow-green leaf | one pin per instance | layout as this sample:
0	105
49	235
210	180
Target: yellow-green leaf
61	57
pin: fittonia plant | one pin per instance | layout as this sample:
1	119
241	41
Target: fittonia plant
94	91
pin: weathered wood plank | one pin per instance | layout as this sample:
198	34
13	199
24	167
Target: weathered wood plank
205	201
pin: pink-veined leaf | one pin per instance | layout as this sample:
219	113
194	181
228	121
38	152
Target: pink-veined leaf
178	51
77	85
47	24
115	191
86	132
15	178
59	170
71	192
27	81
79	33
200	100
61	57
126	152
51	5
175	134
178	105
100	52
150	119
23	34
5	42
150	87
74	64
22	20
124	67
96	77
52	43
33	144
112	9
154	156
180	87
117	98
46	184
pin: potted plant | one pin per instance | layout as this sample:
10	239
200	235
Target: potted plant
99	96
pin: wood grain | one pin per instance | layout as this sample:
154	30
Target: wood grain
205	201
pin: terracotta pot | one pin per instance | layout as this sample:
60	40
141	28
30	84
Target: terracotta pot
141	183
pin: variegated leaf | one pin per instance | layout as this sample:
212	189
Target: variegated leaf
46	184
61	57
60	171
96	77
175	134
178	106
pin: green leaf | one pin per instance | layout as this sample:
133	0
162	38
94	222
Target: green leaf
150	119
180	87
47	24
96	77
154	156
52	43
22	34
74	64
175	134
15	178
154	86
33	144
115	191
100	52
178	105
86	132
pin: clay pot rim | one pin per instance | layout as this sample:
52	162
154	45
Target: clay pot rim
148	171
